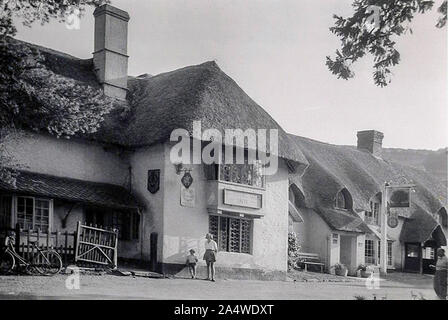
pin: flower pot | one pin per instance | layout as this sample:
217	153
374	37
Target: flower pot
342	272
366	274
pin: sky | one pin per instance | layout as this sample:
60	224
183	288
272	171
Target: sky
275	50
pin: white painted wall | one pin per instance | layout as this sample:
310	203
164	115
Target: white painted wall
185	228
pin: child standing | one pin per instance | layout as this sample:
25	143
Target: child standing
191	263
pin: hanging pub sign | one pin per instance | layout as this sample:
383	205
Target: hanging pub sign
153	180
399	197
187	179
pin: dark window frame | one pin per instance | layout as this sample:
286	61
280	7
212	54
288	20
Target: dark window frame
227	235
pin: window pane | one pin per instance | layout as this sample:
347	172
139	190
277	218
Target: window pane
231	234
25	212
223	236
369	252
248	174
245	236
340	201
41	214
389	253
234	237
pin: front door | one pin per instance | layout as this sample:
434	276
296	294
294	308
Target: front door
412	257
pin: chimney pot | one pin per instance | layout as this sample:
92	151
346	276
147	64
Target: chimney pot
110	50
371	140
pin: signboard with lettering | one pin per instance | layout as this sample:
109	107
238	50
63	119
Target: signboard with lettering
242	199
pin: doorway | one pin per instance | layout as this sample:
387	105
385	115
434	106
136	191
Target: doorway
412	257
347	247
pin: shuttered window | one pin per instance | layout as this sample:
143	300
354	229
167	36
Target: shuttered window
231	234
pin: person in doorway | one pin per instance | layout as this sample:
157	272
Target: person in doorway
191	263
441	275
211	248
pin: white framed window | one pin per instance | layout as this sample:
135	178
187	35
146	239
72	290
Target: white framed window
429	253
31	213
372	216
369	252
389	253
335	238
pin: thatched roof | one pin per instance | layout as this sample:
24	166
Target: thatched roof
421	227
333	168
159	104
63	64
343	220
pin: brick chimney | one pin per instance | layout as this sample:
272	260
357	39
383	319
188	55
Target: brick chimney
110	50
372	141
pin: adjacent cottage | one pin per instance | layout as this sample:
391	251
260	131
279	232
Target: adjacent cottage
339	199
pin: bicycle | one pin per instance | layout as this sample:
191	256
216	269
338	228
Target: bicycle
45	262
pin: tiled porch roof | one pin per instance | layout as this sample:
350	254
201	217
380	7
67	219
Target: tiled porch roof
100	194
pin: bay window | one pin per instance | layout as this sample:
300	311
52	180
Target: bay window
250	173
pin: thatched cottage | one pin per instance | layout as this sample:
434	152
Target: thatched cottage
339	198
122	176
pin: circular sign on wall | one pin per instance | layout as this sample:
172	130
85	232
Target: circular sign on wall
392	221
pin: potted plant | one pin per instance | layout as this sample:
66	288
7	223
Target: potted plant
365	271
340	269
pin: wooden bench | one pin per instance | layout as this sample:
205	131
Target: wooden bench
307	259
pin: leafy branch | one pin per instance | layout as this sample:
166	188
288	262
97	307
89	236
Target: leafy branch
359	36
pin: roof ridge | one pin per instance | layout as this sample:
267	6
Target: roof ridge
48	50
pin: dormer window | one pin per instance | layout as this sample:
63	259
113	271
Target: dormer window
372	216
443	218
344	200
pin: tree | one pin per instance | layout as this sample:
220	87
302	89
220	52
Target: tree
30	11
372	29
32	96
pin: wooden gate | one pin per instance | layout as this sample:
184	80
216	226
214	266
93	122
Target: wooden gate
96	245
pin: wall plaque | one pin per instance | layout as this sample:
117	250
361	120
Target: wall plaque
187	196
242	199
